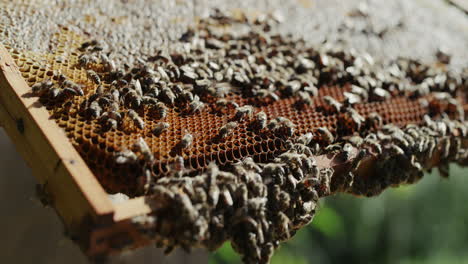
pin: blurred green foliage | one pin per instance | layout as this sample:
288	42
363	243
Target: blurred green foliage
422	223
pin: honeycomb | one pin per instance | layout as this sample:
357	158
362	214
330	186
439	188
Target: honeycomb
276	191
97	147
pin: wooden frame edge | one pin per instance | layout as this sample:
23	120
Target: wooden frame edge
42	143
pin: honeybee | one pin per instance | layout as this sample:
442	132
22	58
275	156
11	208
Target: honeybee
93	76
282	126
250	164
359	91
334	148
109	120
455	108
273	125
168	96
218	76
282	224
109	65
220	89
351	117
94	110
346	151
282	198
399	139
196	106
356	141
351	98
331	105
114	114
178	167
445	147
265	93
288	128
83	60
291	158
380	94
325	135
141	146
67	93
227	197
125	156
186	141
132	98
311	90
137	120
137	88
99	90
226	129
244	111
305	139
292	87
147	179
374	120
147	100
161	109
187	96
229	74
54	93
325	178
304	99
41	87
415	164
260	120
373	144
37	87
75	87
152	91
226	103
274	170
394	150
162	73
357	160
160	128
104	101
85	45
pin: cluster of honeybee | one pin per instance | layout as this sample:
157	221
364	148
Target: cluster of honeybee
60	90
404	153
257	205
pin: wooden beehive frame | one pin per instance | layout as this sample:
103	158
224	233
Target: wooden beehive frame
100	227
79	199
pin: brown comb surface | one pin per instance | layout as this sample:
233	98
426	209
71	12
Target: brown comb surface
98	147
